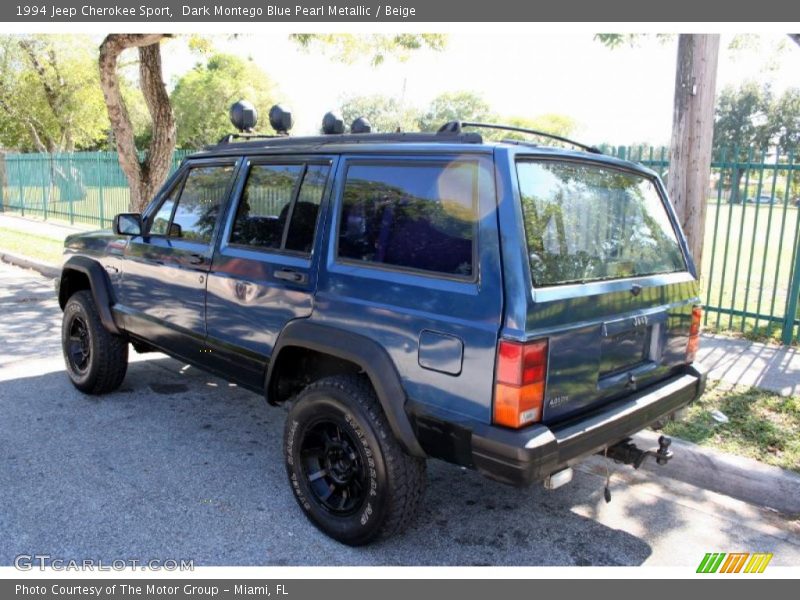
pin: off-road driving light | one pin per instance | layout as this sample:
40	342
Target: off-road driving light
519	382
244	116
280	119
360	125
332	124
694	334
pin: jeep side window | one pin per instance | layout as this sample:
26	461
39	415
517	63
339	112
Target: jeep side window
419	216
279	206
300	236
203	194
161	218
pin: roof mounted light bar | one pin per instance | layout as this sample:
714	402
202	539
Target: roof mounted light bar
456	127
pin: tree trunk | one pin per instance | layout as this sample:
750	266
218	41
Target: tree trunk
736	183
145	176
692	134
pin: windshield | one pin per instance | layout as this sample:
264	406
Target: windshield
585	222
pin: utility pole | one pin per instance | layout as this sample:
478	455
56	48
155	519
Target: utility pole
692	135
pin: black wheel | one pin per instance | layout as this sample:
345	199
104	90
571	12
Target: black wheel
347	471
96	359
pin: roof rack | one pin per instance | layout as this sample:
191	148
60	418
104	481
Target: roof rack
456	127
227	139
357	138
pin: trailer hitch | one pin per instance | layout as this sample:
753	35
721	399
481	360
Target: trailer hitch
626	452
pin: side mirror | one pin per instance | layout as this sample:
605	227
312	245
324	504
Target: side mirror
128	224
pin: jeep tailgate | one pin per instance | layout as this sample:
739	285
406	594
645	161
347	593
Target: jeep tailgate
611	288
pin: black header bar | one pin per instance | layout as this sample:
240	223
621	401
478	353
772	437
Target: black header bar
435	11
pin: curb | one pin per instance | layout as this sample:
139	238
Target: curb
735	476
24	262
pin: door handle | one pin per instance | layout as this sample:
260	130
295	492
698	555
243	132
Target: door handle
196	259
290	275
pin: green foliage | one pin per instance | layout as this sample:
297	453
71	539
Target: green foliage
50	97
752	116
202	97
762	425
377	47
454	106
617	40
769	50
385	113
785	120
741	117
560	125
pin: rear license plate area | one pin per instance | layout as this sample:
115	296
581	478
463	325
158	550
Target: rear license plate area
625	350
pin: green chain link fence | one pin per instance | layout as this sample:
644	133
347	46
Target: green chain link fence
751	262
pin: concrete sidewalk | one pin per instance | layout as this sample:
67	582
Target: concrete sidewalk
741	362
53	229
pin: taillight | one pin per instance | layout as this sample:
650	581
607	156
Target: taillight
519	383
694	334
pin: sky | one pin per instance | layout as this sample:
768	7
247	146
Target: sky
619	96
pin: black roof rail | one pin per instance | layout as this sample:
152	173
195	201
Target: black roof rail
456	127
355	138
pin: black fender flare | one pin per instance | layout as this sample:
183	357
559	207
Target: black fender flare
369	356
99	284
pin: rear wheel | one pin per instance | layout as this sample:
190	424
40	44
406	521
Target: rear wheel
96	359
347	470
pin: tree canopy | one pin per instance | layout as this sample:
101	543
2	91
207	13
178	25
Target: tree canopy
454	106
202	96
385	113
50	98
752	116
376	47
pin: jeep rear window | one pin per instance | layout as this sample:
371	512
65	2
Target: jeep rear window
414	215
585	222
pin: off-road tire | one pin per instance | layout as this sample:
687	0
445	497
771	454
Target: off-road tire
394	481
104	368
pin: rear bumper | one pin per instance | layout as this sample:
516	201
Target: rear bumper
529	455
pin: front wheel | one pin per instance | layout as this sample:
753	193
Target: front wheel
347	471
96	359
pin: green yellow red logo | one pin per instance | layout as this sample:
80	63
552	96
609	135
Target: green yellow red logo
734	562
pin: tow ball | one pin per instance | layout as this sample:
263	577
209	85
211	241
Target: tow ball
626	452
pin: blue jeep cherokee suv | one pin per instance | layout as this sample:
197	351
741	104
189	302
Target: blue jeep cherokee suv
504	306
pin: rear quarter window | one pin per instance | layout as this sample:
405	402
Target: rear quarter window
417	216
585	222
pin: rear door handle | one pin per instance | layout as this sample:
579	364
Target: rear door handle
196	259
290	275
